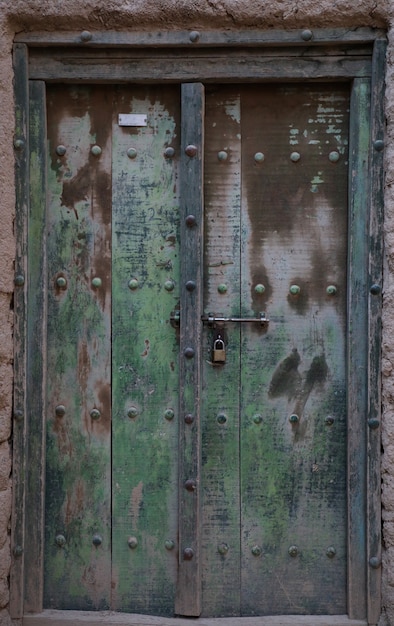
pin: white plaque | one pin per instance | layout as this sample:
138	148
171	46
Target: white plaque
132	119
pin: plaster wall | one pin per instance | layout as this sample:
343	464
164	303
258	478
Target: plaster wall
51	15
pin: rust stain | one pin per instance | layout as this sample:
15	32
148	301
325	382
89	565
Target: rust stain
136	501
75	502
147	348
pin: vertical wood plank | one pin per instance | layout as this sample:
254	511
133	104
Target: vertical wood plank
21	144
188	597
357	365
374	319
36	356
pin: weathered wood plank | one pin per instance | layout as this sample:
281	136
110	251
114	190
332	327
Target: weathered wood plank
359	142
145	244
21	144
36	356
188	597
374	318
199	38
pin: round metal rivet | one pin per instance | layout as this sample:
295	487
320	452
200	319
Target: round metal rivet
191	150
18	551
97	540
222	288
333	156
60	410
329	420
95	414
295	156
19	280
256	551
259	288
306	35
132	412
169	544
96	150
188	554
18	415
86	36
374	562
294	419
190	285
189	353
331	290
190	485
60	541
132	542
222	155
222	418
19	144
61	150
131	153
191	221
169	285
331	552
257	418
295	290
373	423
169	152
61	282
378	145
194	36
259	157
189	419
133	284
293	551
97	282
375	290
169	414
223	548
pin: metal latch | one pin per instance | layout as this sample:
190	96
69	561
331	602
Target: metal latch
211	319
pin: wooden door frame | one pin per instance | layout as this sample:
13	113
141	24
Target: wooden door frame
356	56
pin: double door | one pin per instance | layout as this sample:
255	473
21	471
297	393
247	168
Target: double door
268	486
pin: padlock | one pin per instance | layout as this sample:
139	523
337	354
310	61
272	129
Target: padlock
219	351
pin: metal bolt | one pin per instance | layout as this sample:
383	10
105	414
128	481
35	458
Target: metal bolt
95	414
189	353
190	485
96	150
19	144
374	562
169	152
97	540
169	414
86	36
223	548
97	282
169	544
373	423
19	280
60	541
191	150
331	290
194	36
190	285
329	420
295	156
18	415
61	282
132	412
132	542
295	290
188	554
169	285
331	552
190	221
222	288
60	410
222	418
133	284
378	145
306	34
259	288
257	418
375	290
131	153
18	551
256	550
259	157
61	150
293	551
333	156
222	155
189	419
294	419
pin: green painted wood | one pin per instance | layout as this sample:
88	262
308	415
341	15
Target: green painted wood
375	339
36	356
220	392
78	454
21	143
359	150
145	351
188	593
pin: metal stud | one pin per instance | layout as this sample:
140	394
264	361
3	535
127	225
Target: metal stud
132	542
375	562
189	353
190	285
18	551
19	280
169	414
256	550
60	541
194	36
295	156
61	150
222	288
132	412
258	418
95	414
60	410
189	418
329	420
86	36
190	221
190	485
375	290
169	285
169	544
333	156
294	419
97	282
306	35
223	548
373	423
259	288
191	150
131	153
96	150
61	282
19	144
97	540
169	152
19	416
378	145
331	552
222	418
331	290
133	284
293	551
188	554
222	155
295	290
259	157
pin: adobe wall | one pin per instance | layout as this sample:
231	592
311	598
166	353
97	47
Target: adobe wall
17	15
